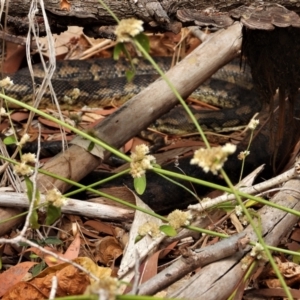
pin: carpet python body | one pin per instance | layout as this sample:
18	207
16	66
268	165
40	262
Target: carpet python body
102	83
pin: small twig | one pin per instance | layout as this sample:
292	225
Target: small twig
260	187
53	288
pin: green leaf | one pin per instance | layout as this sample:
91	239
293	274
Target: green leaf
10	140
53	213
168	230
129	75
34	215
140	184
53	241
144	41
91	146
119	48
29	186
34	224
37	269
138	238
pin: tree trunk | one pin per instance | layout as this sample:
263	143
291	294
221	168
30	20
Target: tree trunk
159	15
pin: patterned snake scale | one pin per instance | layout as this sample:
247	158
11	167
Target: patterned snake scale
102	82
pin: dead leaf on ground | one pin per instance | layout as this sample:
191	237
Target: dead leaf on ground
14	275
74	248
100	227
24	291
51	124
70	280
108	250
14	56
150	267
19	116
296	235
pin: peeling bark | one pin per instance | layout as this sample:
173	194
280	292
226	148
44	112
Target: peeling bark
158	15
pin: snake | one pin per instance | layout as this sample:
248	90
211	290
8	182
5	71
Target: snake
102	82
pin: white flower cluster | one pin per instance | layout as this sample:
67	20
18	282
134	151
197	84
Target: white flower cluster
149	228
258	252
239	211
243	154
178	218
3	112
6	82
107	287
127	29
23	169
253	124
55	197
140	161
24	139
212	159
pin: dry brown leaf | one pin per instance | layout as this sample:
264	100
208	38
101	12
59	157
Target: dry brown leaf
70	281
149	268
19	116
73	249
24	291
51	124
108	250
296	235
4	125
14	275
128	146
89	233
101	227
14	56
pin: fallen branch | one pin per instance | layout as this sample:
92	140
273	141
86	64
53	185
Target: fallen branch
76	207
191	260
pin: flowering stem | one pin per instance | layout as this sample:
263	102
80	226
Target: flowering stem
244	158
182	102
209	232
181	185
225	189
97	183
109	10
83	187
258	234
61	123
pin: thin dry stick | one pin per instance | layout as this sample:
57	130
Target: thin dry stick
49	70
260	187
34	177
